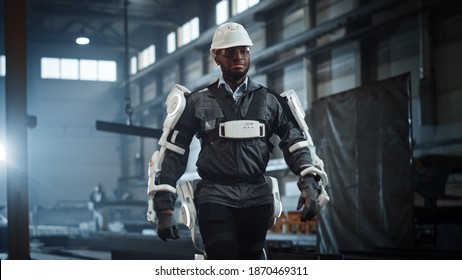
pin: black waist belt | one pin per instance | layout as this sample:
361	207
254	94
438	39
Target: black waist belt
235	181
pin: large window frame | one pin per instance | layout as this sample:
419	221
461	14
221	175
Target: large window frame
78	69
2	66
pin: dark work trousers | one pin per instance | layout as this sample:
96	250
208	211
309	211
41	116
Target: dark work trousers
233	233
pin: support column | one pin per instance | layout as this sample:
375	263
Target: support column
16	130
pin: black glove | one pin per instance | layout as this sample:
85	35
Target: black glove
310	190
167	227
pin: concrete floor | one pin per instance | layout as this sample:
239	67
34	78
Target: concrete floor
105	245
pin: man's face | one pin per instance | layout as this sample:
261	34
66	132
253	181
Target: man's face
234	62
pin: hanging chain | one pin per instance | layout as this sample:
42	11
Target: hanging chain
128	106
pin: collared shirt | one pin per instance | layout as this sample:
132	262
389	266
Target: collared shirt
239	90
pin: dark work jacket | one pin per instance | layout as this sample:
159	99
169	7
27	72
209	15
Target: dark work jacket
232	170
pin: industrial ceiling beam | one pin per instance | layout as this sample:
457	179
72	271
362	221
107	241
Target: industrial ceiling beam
128	129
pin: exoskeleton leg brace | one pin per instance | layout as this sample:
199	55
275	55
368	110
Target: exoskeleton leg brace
277	203
175	103
318	165
188	213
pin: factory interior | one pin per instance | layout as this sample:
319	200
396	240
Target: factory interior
83	86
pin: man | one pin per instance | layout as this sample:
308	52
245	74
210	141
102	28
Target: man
97	198
234	119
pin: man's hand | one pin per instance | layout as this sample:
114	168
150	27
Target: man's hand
166	226
309	192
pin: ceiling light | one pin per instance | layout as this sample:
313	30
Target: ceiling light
82	41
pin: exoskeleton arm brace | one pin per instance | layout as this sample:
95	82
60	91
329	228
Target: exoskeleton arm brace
175	103
317	167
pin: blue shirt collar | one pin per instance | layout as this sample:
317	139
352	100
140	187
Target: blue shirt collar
239	90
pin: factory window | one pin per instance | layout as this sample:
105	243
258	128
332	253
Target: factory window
133	65
188	32
51	68
240	6
222	12
107	70
143	59
171	42
88	70
78	69
337	70
146	57
69	69
2	66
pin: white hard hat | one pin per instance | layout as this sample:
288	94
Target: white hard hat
230	35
